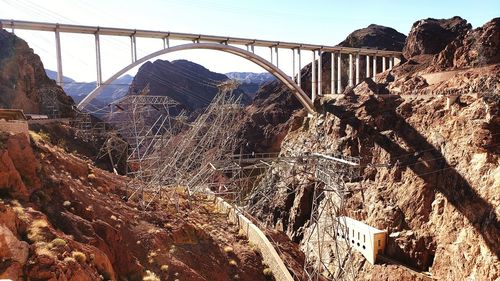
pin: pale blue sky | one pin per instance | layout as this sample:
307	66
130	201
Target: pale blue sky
321	22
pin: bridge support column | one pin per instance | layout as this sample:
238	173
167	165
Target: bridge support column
166	42
357	69
320	72
277	56
299	76
271	52
367	66
332	74
313	78
252	47
391	62
59	59
374	66
339	73
98	59
384	63
351	78
294	69
133	48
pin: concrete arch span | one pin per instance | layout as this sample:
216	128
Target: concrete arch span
278	73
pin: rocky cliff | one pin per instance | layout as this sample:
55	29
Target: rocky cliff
429	163
267	118
23	82
61	218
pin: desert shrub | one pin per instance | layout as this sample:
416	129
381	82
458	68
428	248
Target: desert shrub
150	276
228	249
79	256
69	260
58	242
40	136
267	271
43	249
35	230
164	268
233	263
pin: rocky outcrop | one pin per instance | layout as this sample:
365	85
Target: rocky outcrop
23	82
429	171
77	225
430	36
478	47
269	118
375	36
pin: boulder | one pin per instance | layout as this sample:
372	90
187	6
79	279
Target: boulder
13	252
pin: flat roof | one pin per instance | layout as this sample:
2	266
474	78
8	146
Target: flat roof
360	225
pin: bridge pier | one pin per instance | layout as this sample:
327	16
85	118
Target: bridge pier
277	56
357	68
166	42
271	53
299	76
374	66
98	59
313	78
391	62
59	59
339	73
384	64
320	72
133	48
351	78
367	66
332	74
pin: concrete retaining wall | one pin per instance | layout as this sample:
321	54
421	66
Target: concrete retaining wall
15	127
258	238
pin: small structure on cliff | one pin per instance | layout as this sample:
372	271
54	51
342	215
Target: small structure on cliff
13	121
362	237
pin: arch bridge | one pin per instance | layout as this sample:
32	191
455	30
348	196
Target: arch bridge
242	47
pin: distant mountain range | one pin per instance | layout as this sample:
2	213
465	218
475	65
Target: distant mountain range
189	83
251	82
79	90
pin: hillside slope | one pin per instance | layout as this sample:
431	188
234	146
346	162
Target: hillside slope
267	118
429	168
23	82
189	83
63	219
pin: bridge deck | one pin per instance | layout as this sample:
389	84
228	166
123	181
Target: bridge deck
85	29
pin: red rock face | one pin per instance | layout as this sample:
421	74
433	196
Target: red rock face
23	82
17	167
430	36
61	218
478	47
274	109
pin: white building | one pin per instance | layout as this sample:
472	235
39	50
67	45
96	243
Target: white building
362	237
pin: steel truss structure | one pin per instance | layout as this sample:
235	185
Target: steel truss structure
165	153
252	181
